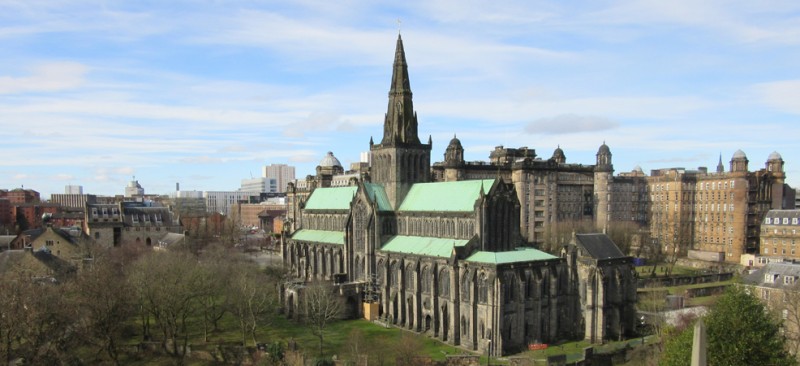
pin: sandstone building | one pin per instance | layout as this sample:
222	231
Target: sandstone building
678	210
779	234
448	259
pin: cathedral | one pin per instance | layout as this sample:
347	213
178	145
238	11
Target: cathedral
446	259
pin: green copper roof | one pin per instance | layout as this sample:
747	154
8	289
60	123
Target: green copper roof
319	236
445	196
421	245
376	192
514	256
337	198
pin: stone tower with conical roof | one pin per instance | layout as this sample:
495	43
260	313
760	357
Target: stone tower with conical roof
400	160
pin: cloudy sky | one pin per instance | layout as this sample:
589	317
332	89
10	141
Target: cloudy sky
207	92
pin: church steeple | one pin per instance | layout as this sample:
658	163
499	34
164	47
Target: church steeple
720	167
400	160
400	124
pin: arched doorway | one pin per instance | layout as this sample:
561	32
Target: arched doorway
427	323
148	242
290	306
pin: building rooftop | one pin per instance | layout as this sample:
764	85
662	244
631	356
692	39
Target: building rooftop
457	196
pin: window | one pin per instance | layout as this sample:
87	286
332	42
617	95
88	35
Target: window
786	221
769	221
788	280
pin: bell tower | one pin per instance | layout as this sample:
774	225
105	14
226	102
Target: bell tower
400	160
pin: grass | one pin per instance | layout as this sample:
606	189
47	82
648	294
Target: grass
337	340
644	271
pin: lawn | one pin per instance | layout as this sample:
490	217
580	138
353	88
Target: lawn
339	338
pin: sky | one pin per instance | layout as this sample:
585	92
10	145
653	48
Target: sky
205	93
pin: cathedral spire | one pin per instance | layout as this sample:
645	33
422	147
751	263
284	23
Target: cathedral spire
720	167
400	125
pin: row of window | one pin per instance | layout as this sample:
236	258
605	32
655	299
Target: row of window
779	221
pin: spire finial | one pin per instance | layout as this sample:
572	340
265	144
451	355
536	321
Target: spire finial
399	28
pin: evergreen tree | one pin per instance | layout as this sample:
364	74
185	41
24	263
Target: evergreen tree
741	332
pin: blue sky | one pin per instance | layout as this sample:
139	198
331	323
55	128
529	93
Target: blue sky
207	92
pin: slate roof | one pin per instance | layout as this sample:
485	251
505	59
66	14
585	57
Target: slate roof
336	198
778	272
457	196
319	236
598	246
776	217
423	245
513	256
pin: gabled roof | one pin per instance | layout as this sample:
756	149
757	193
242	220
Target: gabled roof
423	245
777	273
457	196
514	256
377	193
319	236
599	246
337	198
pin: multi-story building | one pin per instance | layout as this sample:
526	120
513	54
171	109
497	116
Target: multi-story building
261	185
678	209
134	189
278	176
73	189
446	258
20	195
129	222
222	201
76	200
778	287
780	234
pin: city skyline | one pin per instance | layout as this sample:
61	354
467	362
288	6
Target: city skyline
93	93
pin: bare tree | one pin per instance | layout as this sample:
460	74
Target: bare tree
216	270
103	301
254	300
12	308
321	306
168	288
408	350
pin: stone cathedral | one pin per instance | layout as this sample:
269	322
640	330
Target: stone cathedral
447	259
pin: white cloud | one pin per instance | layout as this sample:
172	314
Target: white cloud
569	124
782	95
46	77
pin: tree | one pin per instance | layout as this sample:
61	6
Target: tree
254	300
789	306
321	306
740	332
103	301
168	286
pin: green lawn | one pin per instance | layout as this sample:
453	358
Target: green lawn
339	338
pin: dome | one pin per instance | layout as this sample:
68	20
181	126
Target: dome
775	156
638	169
739	154
558	155
455	142
329	161
604	149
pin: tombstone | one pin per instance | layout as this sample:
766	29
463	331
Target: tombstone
699	344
